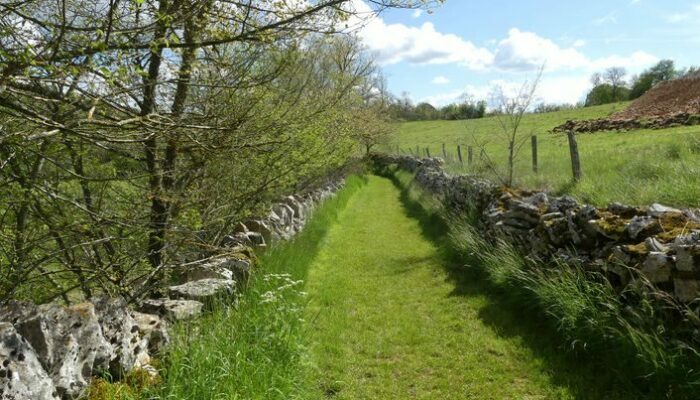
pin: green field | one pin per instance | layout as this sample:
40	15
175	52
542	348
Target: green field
636	167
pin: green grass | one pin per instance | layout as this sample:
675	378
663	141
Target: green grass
625	340
393	318
257	349
637	167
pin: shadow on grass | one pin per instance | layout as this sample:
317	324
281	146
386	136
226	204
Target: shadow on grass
584	377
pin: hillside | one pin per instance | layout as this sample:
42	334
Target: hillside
639	166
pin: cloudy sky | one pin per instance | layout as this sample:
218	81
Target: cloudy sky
471	46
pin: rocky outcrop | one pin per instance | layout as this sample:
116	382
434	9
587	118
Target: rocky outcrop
21	374
153	330
68	342
658	243
128	349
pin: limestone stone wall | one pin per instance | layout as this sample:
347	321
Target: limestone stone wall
51	351
657	243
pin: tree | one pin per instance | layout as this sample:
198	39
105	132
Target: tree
510	112
608	87
615	76
426	111
115	115
373	129
664	70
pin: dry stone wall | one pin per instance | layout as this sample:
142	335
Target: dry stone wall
625	243
52	352
626	124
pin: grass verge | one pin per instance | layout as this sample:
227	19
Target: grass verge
256	349
622	338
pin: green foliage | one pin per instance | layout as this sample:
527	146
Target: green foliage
631	333
467	110
86	212
664	70
605	94
641	85
403	109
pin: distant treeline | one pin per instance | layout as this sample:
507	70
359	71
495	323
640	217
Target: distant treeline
404	109
610	86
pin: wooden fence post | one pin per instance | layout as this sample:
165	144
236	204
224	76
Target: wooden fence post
575	159
470	155
444	152
534	153
427	152
459	154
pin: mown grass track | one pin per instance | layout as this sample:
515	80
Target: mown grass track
388	322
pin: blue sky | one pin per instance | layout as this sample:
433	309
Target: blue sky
473	46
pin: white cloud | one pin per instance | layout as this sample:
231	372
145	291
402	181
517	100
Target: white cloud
564	89
395	43
417	13
636	60
520	51
441	80
558	89
525	51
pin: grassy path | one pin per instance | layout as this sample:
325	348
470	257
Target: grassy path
387	323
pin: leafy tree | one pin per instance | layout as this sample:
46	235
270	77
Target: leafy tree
608	87
426	111
615	77
664	70
134	130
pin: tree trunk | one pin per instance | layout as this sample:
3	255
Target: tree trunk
158	218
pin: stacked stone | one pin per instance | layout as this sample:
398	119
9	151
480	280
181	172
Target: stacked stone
625	124
284	220
657	243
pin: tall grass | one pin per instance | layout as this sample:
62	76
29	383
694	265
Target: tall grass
256	349
633	336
